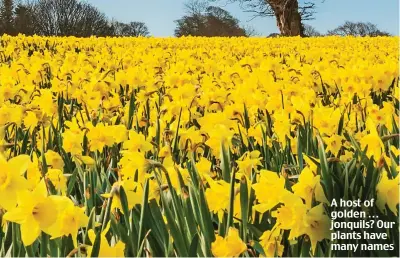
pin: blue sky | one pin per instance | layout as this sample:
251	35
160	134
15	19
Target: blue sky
159	15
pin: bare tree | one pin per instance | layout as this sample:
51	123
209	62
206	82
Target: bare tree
7	17
310	31
132	29
24	19
69	18
92	23
208	21
289	14
361	29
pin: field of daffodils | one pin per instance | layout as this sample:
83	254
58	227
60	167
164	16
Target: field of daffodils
194	147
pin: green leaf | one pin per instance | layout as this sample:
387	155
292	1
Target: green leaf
305	248
300	151
91	225
29	251
176	229
157	225
193	246
25	141
244	205
175	150
44	240
16	243
177	235
54	247
124	204
106	214
231	203
326	176
131	110
225	163
246	117
258	248
71	181
44	163
341	122
142	215
370	179
96	245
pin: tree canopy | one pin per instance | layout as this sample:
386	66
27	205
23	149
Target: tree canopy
208	21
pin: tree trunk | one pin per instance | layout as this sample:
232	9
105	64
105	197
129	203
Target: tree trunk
287	17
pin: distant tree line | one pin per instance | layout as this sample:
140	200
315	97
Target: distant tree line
81	19
62	18
356	29
361	29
